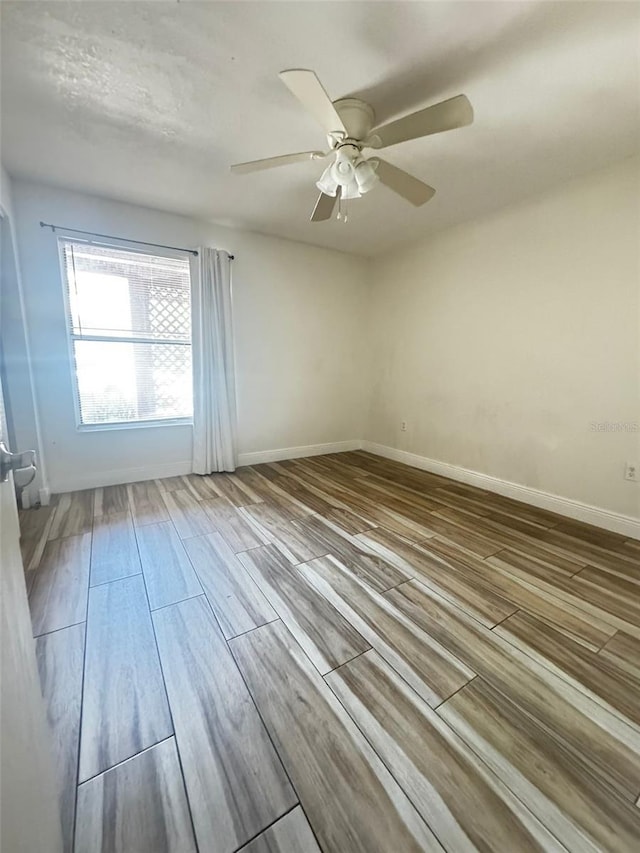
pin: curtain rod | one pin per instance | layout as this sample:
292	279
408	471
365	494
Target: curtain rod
125	239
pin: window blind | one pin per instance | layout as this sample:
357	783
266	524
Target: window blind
129	321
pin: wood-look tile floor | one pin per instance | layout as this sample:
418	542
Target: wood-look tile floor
335	654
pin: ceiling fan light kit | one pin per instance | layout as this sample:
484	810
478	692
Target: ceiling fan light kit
350	171
349	125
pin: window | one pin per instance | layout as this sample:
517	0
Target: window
129	319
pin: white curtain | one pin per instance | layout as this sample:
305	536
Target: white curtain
214	390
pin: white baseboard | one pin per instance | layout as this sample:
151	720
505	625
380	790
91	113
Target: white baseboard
624	524
77	480
297	452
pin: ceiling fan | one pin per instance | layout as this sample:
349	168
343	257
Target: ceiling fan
349	125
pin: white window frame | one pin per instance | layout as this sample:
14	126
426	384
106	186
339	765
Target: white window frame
71	336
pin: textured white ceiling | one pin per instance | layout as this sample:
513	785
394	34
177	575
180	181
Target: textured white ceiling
150	102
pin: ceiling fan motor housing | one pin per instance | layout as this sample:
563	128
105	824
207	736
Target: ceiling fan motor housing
357	116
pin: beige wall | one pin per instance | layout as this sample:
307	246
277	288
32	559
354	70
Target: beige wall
298	333
502	340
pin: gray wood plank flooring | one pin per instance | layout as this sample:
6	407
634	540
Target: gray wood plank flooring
232	526
124	708
34	526
326	636
234	778
146	504
60	658
236	600
58	595
114	551
168	572
552	781
73	514
110	500
137	806
290	834
335	654
187	514
328	759
426	664
442	775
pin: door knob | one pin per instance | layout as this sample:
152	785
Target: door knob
25	461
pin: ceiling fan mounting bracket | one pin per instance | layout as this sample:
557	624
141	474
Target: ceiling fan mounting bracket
357	116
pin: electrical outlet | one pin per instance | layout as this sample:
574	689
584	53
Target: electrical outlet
403	426
631	472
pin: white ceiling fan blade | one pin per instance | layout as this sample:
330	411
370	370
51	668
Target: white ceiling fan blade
273	162
447	115
310	92
403	183
324	206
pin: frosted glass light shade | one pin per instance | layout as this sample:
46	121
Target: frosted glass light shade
327	183
351	190
366	177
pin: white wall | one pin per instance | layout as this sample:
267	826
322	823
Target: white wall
298	323
500	341
14	346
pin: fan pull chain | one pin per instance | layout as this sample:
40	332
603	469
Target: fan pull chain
343	213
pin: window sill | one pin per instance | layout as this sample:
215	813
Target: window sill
107	427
